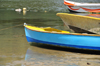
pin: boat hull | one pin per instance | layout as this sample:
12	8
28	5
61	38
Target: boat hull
65	40
86	23
81	7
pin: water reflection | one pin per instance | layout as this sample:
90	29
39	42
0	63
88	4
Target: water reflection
44	55
15	50
13	43
45	58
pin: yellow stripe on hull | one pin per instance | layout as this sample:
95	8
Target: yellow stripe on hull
47	29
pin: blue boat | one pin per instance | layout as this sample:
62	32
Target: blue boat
57	37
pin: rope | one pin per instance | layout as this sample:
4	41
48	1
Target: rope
11	27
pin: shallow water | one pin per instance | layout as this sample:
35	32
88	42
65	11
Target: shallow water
13	44
34	5
16	51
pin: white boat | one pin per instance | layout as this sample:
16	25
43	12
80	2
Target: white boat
82	7
81	24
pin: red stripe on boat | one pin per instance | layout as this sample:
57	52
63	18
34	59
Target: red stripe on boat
69	4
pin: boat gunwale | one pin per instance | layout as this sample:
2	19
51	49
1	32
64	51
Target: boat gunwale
83	34
80	3
79	16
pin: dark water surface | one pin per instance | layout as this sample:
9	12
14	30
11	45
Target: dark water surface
16	51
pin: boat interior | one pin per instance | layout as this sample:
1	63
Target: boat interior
46	29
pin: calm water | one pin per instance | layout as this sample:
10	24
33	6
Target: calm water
34	5
16	51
